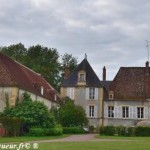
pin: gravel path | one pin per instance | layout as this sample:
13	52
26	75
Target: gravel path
78	138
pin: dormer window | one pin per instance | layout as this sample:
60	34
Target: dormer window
111	95
82	76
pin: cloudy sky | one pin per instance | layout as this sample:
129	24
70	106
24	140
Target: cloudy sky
110	32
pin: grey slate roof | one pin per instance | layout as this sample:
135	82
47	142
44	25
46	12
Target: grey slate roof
91	78
106	84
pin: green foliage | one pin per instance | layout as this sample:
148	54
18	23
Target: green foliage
33	113
57	130
43	60
108	130
125	131
72	115
73	130
12	125
142	131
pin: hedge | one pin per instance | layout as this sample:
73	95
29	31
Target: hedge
34	131
73	130
12	125
125	131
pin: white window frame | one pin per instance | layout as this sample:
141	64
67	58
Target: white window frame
125	111
91	93
91	111
110	111
70	93
140	112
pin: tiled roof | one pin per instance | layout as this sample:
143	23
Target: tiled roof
13	73
106	84
131	83
91	78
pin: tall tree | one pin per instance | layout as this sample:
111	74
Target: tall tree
15	51
46	62
70	61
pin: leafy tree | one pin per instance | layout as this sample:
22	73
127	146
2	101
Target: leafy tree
33	113
71	114
70	61
46	62
15	51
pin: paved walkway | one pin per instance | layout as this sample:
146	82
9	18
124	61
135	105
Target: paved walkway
79	138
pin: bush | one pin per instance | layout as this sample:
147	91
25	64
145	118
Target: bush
73	130
142	131
37	131
108	130
45	131
12	125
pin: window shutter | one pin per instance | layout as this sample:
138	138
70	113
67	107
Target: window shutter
116	112
68	92
119	112
87	111
95	111
134	112
130	112
146	112
87	93
105	111
96	93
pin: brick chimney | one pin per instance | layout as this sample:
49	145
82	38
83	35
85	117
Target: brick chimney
147	68
104	73
67	72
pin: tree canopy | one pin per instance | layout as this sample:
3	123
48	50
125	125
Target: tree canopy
33	113
70	114
43	60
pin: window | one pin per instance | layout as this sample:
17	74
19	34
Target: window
70	93
125	112
140	112
111	111
111	95
91	93
91	111
81	77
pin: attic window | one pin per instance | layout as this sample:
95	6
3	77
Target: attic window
111	95
81	77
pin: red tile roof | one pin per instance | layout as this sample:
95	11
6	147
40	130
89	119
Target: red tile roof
131	83
13	73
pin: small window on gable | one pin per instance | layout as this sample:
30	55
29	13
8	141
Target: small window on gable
81	76
111	95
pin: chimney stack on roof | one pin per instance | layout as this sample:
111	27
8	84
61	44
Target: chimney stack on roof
147	63
67	72
104	73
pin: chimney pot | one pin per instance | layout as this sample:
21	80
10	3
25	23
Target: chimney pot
104	73
67	72
147	63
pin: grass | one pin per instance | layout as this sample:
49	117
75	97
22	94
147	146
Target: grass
136	143
29	138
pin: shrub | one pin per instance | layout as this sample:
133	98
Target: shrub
142	131
108	130
37	131
12	125
73	130
34	131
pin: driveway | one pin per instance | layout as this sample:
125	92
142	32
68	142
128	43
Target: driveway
79	138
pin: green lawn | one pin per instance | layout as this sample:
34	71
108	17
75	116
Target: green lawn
136	143
28	138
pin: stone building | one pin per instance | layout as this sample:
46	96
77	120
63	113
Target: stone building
15	79
85	89
128	98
